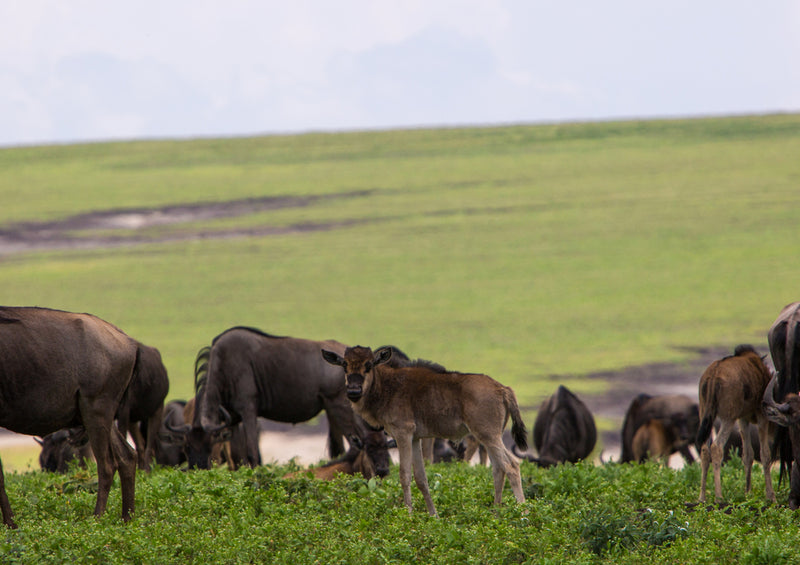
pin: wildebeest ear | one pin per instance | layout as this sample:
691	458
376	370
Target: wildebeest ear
391	443
332	358
355	441
382	355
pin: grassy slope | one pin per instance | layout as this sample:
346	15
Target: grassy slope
520	251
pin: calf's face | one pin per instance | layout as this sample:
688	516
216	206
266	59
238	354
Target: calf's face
358	364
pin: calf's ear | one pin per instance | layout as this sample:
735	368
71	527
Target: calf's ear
332	358
382	355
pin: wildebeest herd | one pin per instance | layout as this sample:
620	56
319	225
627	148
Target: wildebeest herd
83	386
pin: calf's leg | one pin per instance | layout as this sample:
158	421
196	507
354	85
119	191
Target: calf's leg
420	477
747	453
705	460
717	453
503	465
404	451
764	436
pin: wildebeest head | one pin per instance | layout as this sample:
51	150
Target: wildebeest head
198	442
359	364
373	458
784	414
61	447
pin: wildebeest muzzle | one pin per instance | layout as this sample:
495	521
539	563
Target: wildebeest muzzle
355	386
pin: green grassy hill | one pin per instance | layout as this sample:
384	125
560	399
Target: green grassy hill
520	251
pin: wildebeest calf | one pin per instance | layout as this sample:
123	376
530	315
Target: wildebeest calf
417	402
369	459
732	389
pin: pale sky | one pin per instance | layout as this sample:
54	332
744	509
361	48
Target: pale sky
86	70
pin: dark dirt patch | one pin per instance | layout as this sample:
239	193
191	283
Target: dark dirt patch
62	234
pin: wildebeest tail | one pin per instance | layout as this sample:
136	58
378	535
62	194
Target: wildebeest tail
518	431
708	408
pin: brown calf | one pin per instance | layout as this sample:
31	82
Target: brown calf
370	459
655	440
732	389
417	402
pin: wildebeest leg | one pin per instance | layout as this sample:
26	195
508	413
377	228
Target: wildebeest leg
427	449
5	506
99	438
764	436
125	460
705	460
153	425
503	465
420	477
717	454
251	433
747	453
404	450
340	422
140	443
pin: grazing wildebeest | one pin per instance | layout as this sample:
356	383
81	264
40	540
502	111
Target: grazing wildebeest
677	412
225	444
169	446
62	447
732	389
564	430
784	347
144	404
60	370
655	440
370	459
417	402
252	374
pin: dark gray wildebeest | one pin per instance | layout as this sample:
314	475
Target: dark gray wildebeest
252	374
678	413
417	402
139	414
732	389
143	406
62	370
564	430
224	445
169	447
369	459
60	448
784	347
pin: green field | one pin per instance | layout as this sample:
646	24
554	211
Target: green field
522	252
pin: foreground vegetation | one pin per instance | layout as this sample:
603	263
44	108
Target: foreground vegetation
574	514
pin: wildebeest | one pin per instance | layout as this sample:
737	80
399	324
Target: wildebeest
252	374
784	347
169	447
225	444
677	412
144	404
655	440
62	447
60	370
732	389
369	459
564	430
416	402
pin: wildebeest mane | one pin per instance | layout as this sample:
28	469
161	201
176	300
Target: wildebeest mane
248	329
400	360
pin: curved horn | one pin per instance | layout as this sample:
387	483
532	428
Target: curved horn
184	429
525	456
775	412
